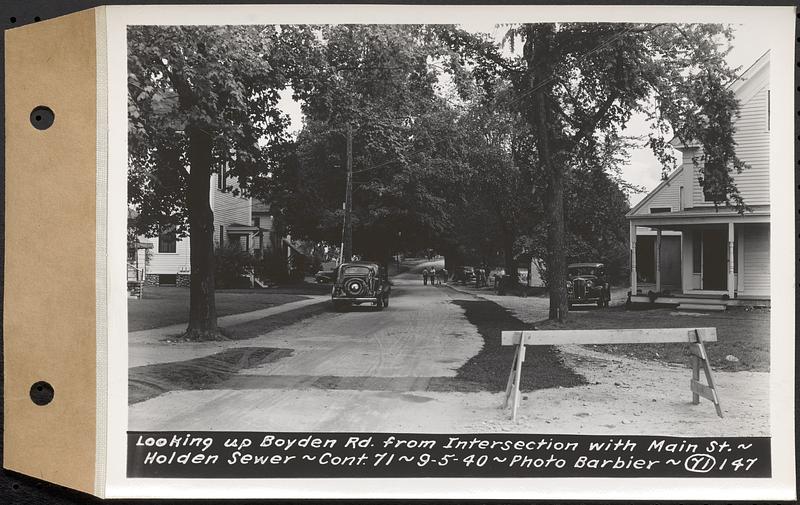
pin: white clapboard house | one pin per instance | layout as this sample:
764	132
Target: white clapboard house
238	221
686	251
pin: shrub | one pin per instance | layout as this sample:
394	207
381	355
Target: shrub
272	266
231	266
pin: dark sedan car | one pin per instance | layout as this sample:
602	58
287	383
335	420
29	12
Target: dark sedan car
325	276
463	274
361	282
587	283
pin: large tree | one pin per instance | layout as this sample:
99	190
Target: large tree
577	84
498	208
201	98
379	80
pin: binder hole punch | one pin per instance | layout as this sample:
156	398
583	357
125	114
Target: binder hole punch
42	117
13	19
42	393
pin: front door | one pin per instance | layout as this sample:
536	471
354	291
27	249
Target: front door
715	263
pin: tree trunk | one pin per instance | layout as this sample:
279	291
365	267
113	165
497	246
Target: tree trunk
540	60
557	267
508	257
202	305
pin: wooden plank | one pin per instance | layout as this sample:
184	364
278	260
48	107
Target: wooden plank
702	390
520	360
698	350
511	374
712	386
701	335
608	336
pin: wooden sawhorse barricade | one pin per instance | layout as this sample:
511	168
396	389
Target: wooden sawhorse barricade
694	336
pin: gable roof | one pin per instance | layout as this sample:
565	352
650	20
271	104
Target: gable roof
743	92
751	71
739	86
653	193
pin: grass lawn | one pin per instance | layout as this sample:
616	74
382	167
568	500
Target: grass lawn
164	306
741	332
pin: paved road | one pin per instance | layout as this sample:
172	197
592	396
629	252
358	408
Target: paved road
374	363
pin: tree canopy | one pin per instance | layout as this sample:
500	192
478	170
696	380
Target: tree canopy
460	142
578	84
200	99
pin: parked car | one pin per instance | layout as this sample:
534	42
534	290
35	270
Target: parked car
463	274
325	276
496	273
587	283
361	282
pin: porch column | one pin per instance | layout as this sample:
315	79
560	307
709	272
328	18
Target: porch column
633	257
731	285
658	260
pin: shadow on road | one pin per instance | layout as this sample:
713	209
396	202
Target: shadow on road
489	369
146	382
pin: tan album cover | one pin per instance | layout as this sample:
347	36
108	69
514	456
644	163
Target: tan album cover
351	251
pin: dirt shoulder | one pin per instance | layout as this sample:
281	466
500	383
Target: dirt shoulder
626	393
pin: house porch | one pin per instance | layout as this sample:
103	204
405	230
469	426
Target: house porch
694	258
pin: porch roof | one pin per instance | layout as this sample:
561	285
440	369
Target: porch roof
758	214
241	229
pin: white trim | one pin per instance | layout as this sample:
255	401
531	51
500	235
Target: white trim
740	286
666	182
103	285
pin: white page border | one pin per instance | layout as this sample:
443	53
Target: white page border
777	24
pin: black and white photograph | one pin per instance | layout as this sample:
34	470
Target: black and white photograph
358	227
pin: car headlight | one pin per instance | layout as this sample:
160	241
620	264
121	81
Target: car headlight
569	284
589	284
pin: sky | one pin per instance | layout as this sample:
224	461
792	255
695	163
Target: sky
643	169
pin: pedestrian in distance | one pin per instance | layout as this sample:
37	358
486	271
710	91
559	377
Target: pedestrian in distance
425	276
433	276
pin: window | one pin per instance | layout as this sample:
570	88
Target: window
221	239
769	111
222	176
257	221
680	196
167	241
697	251
660	210
709	196
356	270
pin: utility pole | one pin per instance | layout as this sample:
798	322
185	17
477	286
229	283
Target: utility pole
347	233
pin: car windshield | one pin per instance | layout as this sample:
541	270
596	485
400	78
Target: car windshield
356	270
578	271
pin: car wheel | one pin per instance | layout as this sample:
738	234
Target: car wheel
379	303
